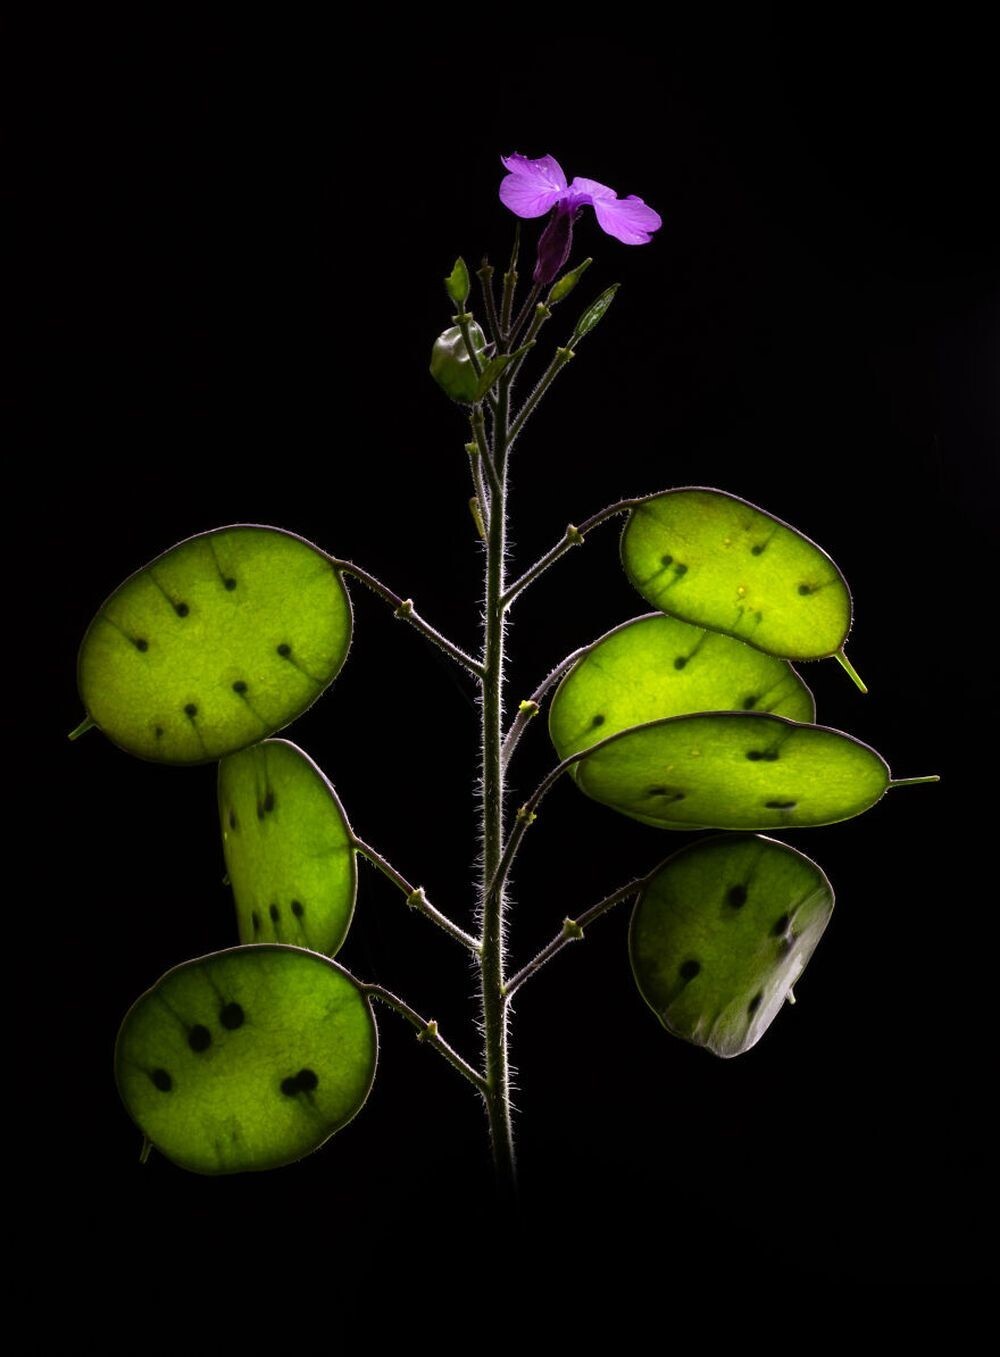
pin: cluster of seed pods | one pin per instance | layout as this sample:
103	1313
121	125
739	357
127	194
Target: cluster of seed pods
693	718
689	718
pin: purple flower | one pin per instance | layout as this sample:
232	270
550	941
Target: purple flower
534	187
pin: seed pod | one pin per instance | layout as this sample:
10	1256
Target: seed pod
223	639
734	770
717	561
289	851
655	667
246	1059
722	932
451	366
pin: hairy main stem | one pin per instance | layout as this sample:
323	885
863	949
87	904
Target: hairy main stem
493	950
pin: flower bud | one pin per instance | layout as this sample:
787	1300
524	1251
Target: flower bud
568	282
457	283
554	244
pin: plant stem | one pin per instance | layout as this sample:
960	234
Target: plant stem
428	1032
415	897
530	707
850	670
559	361
526	816
480	504
462	320
479	431
542	314
492	807
572	537
485	275
510	285
524	313
404	608
572	931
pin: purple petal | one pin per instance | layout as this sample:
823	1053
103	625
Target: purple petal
589	190
532	186
627	219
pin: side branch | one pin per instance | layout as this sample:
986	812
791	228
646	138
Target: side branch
427	1030
530	706
404	608
510	285
541	315
572	931
485	275
526	815
480	504
523	314
560	359
415	897
463	320
572	537
482	443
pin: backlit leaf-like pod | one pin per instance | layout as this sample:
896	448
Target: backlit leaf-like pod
290	854
734	770
655	667
223	639
246	1059
715	560
721	933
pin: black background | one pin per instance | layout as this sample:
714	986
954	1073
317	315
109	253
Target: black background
231	249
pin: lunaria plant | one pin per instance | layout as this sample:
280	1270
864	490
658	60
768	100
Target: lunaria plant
690	718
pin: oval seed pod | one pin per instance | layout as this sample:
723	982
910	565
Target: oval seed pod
223	639
451	366
246	1059
655	667
734	770
289	850
715	560
722	932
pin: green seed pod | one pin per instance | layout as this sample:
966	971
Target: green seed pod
289	851
246	1059
715	560
451	366
734	770
223	639
720	935
566	284
656	666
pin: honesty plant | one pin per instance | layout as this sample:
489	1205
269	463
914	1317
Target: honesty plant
689	718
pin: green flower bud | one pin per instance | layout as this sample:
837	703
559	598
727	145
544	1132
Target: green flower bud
457	283
568	282
451	366
594	313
